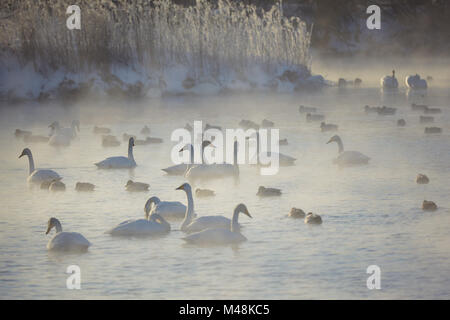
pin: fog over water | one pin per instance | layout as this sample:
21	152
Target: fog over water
371	214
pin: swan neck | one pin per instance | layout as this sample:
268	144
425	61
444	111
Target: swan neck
340	144
234	221
58	226
257	147
189	210
191	151
30	162
130	152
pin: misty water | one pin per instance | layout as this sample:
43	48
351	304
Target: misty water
371	214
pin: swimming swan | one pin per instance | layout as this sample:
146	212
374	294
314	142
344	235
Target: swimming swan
389	82
63	136
221	236
166	209
415	82
348	158
284	160
65	241
38	175
152	225
216	170
190	225
180	169
119	162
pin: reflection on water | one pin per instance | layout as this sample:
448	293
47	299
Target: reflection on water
371	215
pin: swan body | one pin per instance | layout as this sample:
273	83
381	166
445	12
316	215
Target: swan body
62	137
119	162
283	160
166	209
191	225
65	241
220	236
389	82
35	139
38	176
415	82
153	225
182	168
348	158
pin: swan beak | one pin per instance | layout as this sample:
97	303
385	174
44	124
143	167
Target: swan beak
329	141
180	188
21	155
48	230
248	214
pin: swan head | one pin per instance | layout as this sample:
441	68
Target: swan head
129	183
334	138
131	141
76	124
185	186
54	125
243	209
25	152
148	204
53	222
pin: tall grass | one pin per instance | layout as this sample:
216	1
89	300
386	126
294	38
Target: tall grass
208	38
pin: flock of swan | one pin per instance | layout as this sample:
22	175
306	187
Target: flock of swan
199	229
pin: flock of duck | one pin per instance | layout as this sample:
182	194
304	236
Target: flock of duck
202	230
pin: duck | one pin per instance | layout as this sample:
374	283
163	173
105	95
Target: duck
429	206
208	126
167	209
119	162
145	130
37	176
35	139
267	123
348	158
303	109
65	241
152	225
215	170
268	192
429	110
221	236
401	123
314	117
312	218
204	193
148	140
101	130
22	133
283	142
62	137
386	111
248	124
326	127
422	179
389	82
368	109
296	213
136	186
191	224
433	130
357	82
110	141
426	119
84	186
418	107
180	169
56	185
415	82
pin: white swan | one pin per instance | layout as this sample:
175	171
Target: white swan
215	170
415	82
348	158
63	136
65	241
166	209
389	82
217	236
38	175
152	225
180	169
119	162
190	225
284	160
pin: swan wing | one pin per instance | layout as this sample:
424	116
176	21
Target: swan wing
68	241
208	222
43	175
116	162
351	158
170	209
137	228
177	170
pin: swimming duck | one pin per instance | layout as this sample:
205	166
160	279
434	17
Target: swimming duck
401	123
145	130
136	186
84	186
422	179
22	133
267	123
426	119
429	206
297	213
432	130
268	192
326	127
312	218
303	109
314	117
101	130
57	185
110	141
203	193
